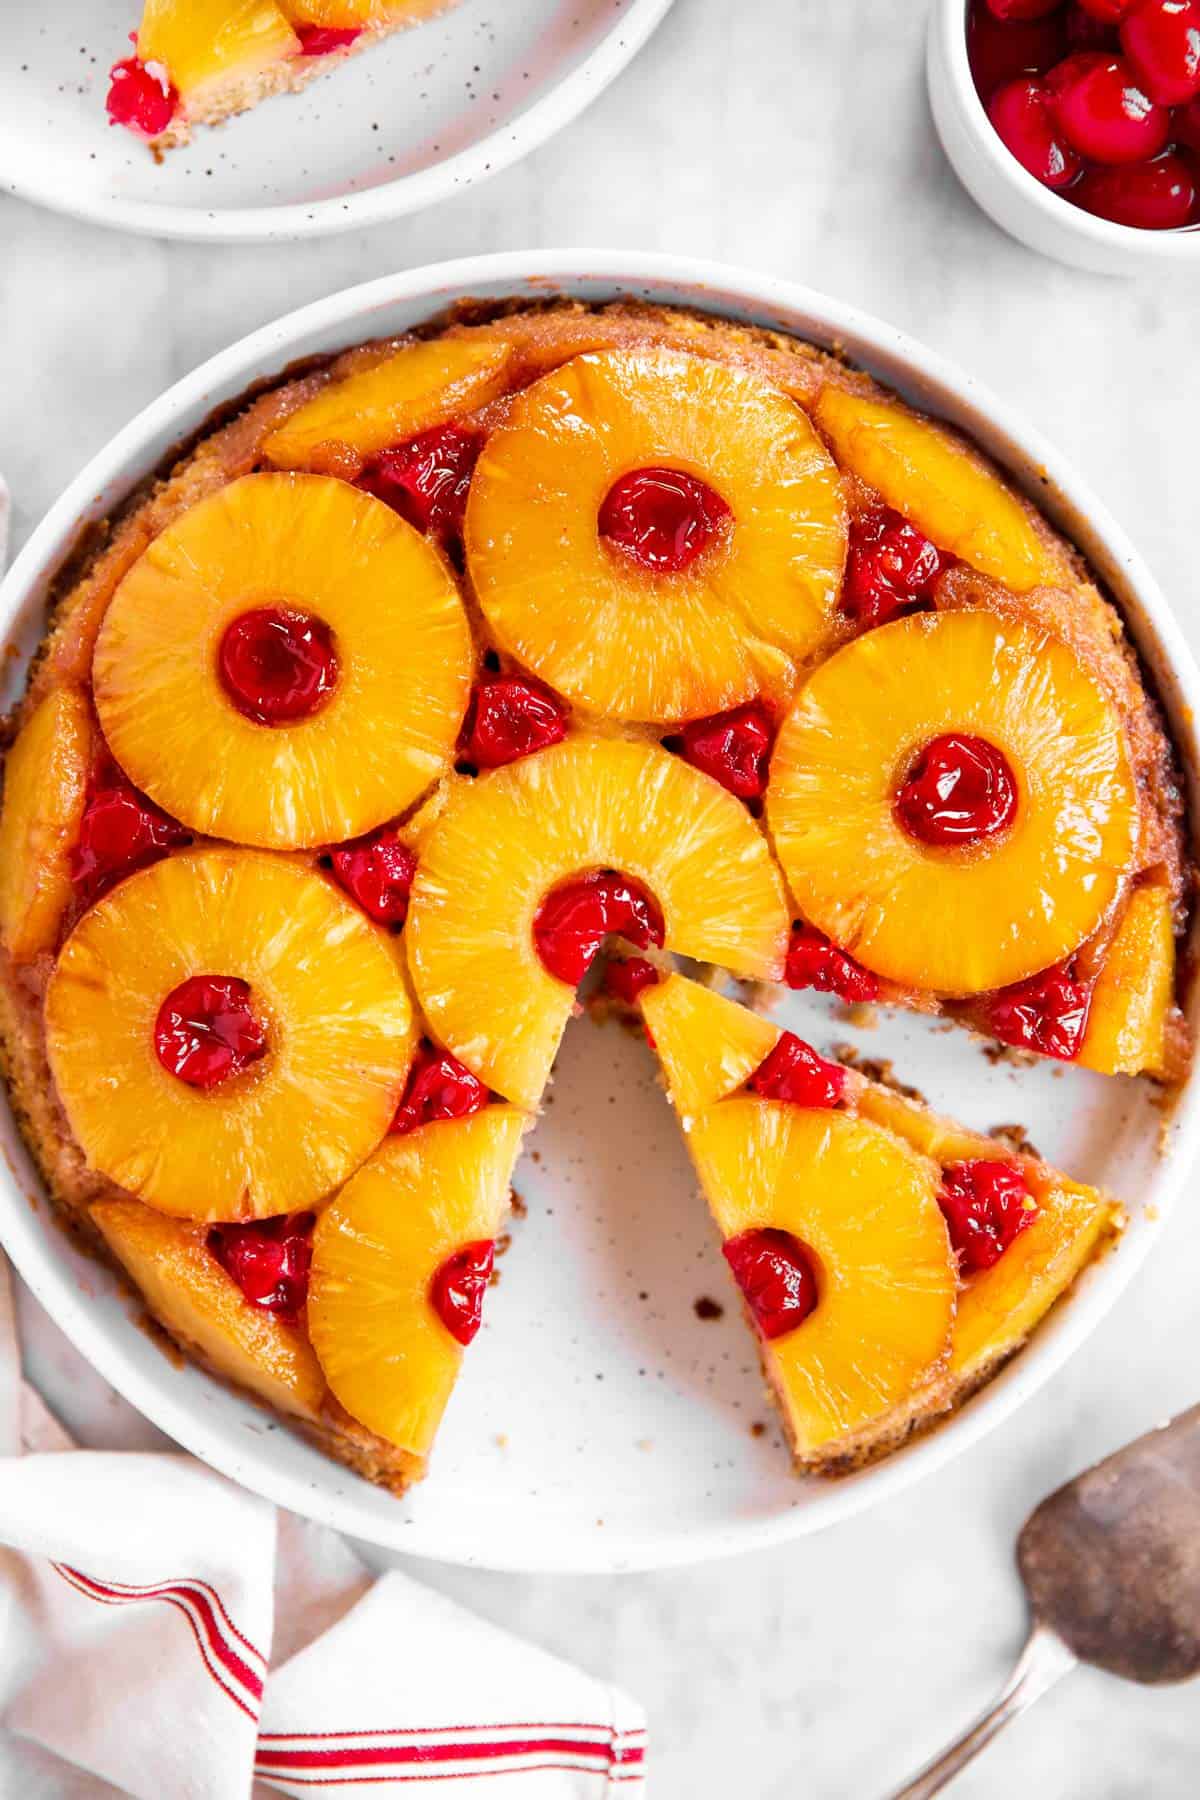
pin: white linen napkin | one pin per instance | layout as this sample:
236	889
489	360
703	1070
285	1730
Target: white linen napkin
167	1636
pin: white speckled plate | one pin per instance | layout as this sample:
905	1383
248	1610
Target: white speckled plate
601	1422
406	123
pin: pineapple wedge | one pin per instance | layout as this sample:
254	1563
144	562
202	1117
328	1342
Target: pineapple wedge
618	639
937	482
45	787
504	840
377	1249
204	43
187	1290
955	921
283	1133
415	388
382	736
1135	990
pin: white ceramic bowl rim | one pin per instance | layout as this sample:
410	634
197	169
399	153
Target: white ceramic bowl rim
486	157
1176	246
348	317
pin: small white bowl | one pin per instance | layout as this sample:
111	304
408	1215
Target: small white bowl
1044	220
601	1424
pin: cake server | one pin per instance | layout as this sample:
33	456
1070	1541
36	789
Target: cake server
1111	1567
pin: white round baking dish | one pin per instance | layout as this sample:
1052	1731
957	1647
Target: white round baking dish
599	1424
1015	199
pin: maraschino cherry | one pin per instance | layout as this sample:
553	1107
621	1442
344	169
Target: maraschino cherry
662	518
575	917
1047	1013
776	1276
278	665
960	791
269	1260
207	1030
733	747
427	479
141	96
986	1205
793	1071
458	1286
120	831
510	716
323	40
439	1087
814	962
626	980
378	872
891	567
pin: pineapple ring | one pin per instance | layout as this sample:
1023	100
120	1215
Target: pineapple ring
865	1206
505	839
620	641
385	1353
955	921
45	788
340	1028
388	729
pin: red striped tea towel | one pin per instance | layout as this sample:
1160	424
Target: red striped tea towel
165	1635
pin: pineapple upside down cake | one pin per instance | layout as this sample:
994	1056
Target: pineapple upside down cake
197	62
442	671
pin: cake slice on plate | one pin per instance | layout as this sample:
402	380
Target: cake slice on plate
197	62
889	1259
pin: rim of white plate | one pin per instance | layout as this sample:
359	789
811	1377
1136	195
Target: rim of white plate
358	312
489	156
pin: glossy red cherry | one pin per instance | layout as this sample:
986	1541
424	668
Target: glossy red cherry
510	716
626	980
1022	113
457	1289
1047	1013
269	1260
141	97
733	747
575	917
793	1071
1106	12
322	40
1103	112
890	566
277	665
961	790
662	518
985	1205
207	1030
427	480
1000	52
1086	32
1007	10
1152	196
438	1087
1185	126
378	872
776	1276
1161	38
120	831
814	962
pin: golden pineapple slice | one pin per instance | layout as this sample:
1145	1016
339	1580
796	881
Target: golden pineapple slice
355	14
999	1307
1127	1023
618	638
939	483
302	548
959	920
377	1249
864	1208
45	787
507	838
417	387
706	1044
202	43
278	1134
189	1292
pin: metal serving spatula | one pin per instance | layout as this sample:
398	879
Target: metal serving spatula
1111	1565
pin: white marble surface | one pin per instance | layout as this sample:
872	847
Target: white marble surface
794	137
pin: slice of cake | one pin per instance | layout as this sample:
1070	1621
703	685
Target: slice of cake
197	62
888	1259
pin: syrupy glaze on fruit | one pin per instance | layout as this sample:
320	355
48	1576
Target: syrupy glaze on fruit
575	917
666	527
323	40
1096	98
277	664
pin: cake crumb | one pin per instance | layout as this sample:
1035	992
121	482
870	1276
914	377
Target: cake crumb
758	1429
1015	1138
519	1208
503	1243
708	1308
